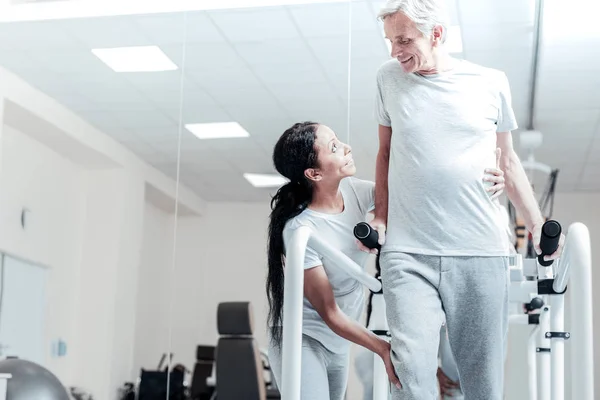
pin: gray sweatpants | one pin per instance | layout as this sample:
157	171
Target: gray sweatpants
472	292
324	374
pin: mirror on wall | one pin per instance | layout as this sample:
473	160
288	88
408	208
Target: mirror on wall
250	74
89	137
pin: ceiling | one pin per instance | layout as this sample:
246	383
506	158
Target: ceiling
267	68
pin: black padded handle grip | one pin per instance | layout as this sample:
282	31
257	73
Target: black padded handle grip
551	231
367	235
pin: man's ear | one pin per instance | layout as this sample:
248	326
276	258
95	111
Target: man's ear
437	34
313	174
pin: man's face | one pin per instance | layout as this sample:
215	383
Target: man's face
410	47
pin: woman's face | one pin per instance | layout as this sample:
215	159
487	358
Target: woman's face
334	157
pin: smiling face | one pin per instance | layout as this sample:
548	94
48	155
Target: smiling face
413	49
334	158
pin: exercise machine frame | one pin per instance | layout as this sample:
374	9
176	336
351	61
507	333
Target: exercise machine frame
549	334
546	345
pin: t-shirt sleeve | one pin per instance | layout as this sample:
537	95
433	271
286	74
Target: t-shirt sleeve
381	113
506	117
365	192
311	257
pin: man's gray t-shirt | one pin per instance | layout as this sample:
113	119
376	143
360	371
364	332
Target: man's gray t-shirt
443	137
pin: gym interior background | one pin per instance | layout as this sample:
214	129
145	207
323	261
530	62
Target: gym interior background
125	222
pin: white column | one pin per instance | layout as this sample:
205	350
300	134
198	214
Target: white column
109	262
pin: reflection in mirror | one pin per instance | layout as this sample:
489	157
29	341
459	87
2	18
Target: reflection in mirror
250	74
89	133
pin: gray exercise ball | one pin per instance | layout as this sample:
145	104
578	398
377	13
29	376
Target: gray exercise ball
31	381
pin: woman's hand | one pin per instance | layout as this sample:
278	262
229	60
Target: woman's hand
496	178
446	384
384	353
379	225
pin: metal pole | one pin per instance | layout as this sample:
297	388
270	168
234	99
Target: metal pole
293	294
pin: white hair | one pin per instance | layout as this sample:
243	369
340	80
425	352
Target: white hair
426	14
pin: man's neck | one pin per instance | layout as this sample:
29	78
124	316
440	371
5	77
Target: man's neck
441	62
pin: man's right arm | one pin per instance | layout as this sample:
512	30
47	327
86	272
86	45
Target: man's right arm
381	182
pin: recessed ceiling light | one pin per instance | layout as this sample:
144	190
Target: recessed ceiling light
135	59
217	130
265	180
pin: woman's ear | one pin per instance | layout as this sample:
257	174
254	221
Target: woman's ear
313	174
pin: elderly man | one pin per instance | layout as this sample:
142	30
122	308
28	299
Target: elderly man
445	252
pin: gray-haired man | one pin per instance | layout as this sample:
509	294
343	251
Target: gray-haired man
446	251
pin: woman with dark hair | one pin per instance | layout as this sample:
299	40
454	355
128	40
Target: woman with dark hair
323	194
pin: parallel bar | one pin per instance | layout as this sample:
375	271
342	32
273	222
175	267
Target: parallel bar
563	266
582	344
293	297
557	324
378	322
521	291
531	363
522	319
381	384
293	292
340	260
543	356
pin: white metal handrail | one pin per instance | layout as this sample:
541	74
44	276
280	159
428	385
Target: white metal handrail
294	294
575	267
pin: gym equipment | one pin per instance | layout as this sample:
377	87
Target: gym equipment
26	380
156	384
540	288
293	297
203	369
377	322
546	342
367	235
237	346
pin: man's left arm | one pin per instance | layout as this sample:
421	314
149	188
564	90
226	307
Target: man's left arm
520	193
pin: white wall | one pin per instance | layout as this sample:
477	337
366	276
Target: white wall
86	228
51	188
112	241
220	257
86	194
66	132
153	295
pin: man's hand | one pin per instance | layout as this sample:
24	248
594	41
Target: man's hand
379	225
496	178
446	384
536	232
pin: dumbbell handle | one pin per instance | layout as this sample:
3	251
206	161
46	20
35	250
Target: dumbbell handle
367	235
550	237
